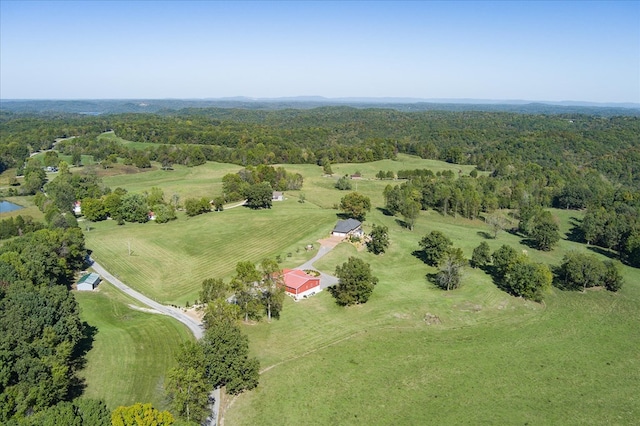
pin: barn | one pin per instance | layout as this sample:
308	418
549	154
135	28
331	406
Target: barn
299	284
88	282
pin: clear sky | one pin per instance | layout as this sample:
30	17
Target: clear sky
553	51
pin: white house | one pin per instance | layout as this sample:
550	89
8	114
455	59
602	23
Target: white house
277	196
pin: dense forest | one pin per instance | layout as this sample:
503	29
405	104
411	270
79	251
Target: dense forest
490	140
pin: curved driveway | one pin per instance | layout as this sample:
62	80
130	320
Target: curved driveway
195	327
326	280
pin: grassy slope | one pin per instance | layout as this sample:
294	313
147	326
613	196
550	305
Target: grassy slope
494	358
132	350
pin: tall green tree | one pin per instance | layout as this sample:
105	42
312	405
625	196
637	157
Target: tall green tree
226	352
379	241
187	385
356	282
355	205
450	274
272	288
481	256
434	247
245	287
259	196
544	231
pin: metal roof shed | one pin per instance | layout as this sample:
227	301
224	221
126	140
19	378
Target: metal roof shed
88	282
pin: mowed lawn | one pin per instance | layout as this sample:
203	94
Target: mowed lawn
168	262
131	350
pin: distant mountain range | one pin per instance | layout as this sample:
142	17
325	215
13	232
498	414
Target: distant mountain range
115	106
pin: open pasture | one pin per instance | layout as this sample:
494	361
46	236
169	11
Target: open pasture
131	351
414	354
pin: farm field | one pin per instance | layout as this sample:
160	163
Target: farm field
487	357
482	356
131	351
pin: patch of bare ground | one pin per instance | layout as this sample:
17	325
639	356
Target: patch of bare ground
431	319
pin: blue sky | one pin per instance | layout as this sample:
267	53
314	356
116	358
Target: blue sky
553	51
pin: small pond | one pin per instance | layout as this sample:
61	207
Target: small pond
6	207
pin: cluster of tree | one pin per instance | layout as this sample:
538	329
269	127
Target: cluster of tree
405	200
385	175
13	227
79	412
356	282
98	202
40	329
539	226
220	358
196	206
580	271
514	272
436	249
355	205
615	226
238	186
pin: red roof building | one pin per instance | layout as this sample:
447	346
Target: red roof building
299	284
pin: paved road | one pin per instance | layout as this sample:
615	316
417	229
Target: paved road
326	280
194	326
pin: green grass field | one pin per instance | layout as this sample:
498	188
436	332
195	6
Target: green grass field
486	357
131	351
493	359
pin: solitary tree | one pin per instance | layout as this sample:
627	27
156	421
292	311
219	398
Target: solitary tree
226	353
355	283
343	183
379	239
451	270
355	205
434	246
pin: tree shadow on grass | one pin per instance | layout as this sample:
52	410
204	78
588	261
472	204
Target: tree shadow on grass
419	254
384	211
485	235
605	252
84	345
403	224
575	234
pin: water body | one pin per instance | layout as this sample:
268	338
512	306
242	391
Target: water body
6	207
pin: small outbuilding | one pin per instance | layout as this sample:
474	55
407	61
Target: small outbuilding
299	284
88	282
346	228
277	196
